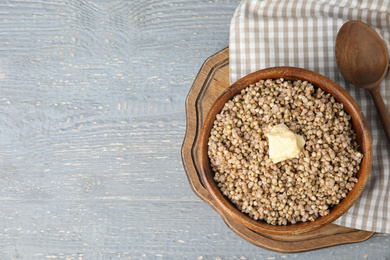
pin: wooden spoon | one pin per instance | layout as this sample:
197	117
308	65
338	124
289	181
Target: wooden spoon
363	60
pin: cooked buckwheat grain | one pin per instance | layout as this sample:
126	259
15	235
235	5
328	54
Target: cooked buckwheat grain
295	190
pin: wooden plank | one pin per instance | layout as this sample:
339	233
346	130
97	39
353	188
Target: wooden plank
92	119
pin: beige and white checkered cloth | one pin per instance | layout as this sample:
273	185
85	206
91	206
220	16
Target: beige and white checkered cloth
302	33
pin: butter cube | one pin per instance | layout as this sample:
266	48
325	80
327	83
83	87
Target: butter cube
283	143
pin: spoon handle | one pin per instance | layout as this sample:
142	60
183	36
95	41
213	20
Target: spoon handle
383	114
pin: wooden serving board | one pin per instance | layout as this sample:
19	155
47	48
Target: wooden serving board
211	81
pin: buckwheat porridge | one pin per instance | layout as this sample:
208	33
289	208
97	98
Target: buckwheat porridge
293	190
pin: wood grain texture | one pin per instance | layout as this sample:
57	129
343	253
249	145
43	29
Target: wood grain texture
363	60
92	119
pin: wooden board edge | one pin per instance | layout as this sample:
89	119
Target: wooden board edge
186	150
271	243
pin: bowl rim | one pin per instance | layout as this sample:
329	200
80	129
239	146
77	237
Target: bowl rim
318	80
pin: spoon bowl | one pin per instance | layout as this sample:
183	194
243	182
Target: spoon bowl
363	60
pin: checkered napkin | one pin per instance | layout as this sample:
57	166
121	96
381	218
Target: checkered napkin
302	33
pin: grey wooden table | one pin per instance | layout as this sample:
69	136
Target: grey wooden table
92	121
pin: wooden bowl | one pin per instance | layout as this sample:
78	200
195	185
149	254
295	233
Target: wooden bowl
359	125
